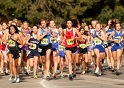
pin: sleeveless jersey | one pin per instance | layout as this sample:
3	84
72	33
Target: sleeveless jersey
46	39
69	42
108	32
12	44
35	43
83	43
118	36
56	38
96	40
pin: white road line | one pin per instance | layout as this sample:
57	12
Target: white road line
88	79
43	84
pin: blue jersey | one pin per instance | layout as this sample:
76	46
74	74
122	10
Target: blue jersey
96	40
108	32
118	36
46	39
61	49
55	41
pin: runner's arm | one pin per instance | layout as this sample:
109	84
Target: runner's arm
28	37
39	34
19	39
101	37
5	36
78	33
112	40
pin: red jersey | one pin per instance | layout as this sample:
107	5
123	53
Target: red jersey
69	42
1	34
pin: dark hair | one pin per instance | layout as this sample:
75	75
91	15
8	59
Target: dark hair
75	23
81	28
16	29
42	20
113	23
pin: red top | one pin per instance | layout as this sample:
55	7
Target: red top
84	41
69	42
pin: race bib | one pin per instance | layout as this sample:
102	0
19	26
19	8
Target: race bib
33	46
55	40
82	46
44	41
70	41
118	38
97	41
61	48
11	43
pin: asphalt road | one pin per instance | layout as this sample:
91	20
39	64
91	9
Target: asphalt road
89	80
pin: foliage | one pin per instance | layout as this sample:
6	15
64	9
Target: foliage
61	10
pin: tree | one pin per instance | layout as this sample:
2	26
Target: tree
61	10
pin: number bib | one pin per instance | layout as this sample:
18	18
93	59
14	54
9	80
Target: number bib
118	38
44	41
70	41
11	43
33	46
55	40
82	46
97	41
61	48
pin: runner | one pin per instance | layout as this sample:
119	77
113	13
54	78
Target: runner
93	25
1	56
88	45
98	48
4	46
13	54
44	36
33	53
25	30
103	27
109	31
54	39
83	50
70	44
61	51
116	39
19	46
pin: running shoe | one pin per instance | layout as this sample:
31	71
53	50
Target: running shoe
10	78
14	80
74	75
58	71
62	76
35	76
83	73
71	77
17	80
118	72
91	64
97	70
6	72
109	67
55	76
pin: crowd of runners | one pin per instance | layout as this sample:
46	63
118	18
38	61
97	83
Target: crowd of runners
53	48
